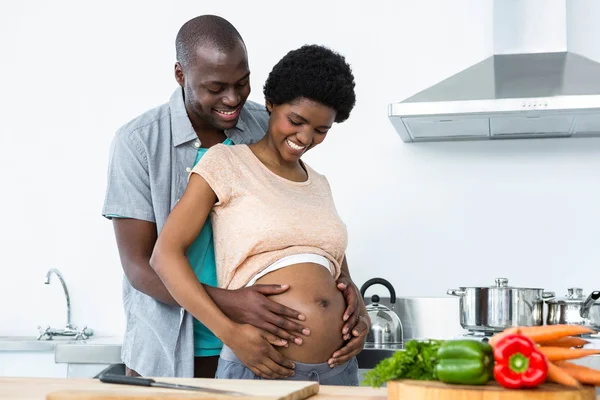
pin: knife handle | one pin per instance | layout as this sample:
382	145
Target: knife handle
125	380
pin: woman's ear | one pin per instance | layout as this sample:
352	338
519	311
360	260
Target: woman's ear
269	106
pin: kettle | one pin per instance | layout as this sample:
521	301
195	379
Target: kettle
386	327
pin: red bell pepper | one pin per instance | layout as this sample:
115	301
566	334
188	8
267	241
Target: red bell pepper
519	363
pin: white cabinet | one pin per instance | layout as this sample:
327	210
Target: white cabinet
42	365
33	364
84	370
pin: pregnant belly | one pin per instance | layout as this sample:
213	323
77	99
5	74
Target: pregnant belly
312	292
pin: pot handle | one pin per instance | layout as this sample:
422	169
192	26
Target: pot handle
380	281
548	295
584	312
455	292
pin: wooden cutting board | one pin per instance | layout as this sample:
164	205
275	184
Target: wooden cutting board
255	389
433	390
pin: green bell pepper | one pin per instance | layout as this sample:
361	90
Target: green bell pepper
466	362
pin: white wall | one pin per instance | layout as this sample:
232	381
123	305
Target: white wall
425	216
532	26
583	28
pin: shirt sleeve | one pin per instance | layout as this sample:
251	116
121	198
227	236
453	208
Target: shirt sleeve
216	167
128	193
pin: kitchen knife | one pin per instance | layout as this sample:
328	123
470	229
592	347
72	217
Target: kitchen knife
133	380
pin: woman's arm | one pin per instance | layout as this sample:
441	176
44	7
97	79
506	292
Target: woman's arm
250	344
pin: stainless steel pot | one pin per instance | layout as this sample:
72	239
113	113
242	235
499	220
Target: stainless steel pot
495	308
575	308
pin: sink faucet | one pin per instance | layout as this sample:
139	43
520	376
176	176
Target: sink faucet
64	286
70	329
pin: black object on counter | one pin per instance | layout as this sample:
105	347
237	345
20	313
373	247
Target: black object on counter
138	381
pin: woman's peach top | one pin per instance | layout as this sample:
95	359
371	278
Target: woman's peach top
261	217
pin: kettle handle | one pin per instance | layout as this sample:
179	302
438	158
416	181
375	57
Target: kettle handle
380	281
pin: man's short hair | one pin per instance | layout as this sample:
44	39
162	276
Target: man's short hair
205	30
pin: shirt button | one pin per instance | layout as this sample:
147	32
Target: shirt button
182	312
197	144
188	169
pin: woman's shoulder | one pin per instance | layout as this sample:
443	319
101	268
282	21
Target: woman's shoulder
316	176
224	152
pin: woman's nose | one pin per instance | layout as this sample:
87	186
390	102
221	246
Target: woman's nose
305	137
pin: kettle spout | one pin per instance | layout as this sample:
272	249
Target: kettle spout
587	304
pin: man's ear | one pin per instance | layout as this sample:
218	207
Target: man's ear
179	75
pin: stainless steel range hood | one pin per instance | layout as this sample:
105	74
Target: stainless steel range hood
512	94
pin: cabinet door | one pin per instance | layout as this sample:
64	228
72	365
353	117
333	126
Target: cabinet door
33	364
85	370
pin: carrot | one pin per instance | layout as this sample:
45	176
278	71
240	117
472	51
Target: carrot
567	341
561	353
585	375
508	331
543	333
561	376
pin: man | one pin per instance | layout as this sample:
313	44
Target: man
150	159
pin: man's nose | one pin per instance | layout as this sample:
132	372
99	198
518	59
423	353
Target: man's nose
231	98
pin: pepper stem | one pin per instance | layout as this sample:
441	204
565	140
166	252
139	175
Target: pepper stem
518	363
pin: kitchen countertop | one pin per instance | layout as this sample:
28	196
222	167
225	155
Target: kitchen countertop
95	350
37	388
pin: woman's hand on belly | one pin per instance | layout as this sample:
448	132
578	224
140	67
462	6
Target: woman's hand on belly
354	345
357	326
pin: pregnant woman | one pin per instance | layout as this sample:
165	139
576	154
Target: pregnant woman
274	222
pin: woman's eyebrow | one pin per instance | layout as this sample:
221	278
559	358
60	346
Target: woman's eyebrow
300	117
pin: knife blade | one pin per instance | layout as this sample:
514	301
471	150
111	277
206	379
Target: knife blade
138	381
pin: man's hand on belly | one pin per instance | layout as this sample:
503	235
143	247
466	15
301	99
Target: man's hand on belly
254	349
252	306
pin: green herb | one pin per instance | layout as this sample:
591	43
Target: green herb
417	361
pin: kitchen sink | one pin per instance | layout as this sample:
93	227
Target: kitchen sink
30	343
94	350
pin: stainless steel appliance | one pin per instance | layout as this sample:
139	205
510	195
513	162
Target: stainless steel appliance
422	318
575	308
495	308
386	327
537	84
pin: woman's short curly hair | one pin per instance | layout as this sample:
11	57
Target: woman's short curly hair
316	73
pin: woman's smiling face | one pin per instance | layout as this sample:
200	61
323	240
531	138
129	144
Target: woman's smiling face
298	126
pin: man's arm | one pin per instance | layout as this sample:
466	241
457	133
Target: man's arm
136	240
357	319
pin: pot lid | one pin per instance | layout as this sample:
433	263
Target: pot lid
375	306
574	296
502	283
